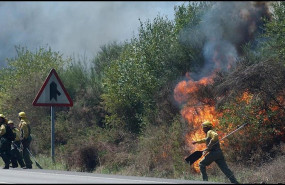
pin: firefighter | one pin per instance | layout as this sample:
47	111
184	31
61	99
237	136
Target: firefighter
26	139
213	153
5	144
16	155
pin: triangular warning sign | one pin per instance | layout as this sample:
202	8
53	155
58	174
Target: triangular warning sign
52	93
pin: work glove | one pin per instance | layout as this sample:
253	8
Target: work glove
205	151
210	145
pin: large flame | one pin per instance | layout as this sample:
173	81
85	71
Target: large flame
194	111
220	53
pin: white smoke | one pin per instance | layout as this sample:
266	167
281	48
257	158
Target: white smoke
73	28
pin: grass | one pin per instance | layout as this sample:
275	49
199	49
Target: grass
45	162
268	173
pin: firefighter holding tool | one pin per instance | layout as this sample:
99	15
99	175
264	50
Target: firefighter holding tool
26	138
213	153
16	155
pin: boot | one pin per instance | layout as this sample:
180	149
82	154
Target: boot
14	164
233	180
21	163
203	172
28	167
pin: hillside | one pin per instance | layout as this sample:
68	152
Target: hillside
139	107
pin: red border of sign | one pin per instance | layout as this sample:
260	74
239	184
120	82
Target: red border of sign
43	87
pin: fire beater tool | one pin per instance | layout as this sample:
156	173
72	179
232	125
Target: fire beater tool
197	154
37	164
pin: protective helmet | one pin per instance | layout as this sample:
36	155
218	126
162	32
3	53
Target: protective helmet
10	122
207	124
22	114
2	116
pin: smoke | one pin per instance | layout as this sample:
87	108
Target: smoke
222	31
73	28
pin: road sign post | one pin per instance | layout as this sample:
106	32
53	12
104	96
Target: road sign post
52	133
53	93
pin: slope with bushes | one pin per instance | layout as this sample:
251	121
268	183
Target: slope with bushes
125	119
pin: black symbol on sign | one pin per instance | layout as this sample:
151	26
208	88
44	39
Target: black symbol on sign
53	91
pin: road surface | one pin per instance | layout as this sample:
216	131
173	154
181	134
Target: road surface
37	176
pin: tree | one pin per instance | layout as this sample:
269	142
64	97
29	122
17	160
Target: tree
20	83
274	33
143	67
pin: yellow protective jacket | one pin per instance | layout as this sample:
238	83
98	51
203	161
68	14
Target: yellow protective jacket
18	134
24	126
212	141
2	130
212	135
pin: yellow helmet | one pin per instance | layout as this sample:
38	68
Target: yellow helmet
4	118
22	114
207	124
10	122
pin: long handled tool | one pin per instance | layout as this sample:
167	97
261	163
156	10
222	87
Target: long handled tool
37	164
197	154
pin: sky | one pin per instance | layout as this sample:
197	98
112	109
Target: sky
74	28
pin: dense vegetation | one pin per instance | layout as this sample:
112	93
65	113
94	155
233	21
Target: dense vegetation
125	119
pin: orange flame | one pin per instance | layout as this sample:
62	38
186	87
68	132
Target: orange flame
195	112
246	96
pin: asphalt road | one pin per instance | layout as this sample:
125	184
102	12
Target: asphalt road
37	176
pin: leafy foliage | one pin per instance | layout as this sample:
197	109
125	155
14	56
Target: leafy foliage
20	84
275	33
260	74
124	115
143	67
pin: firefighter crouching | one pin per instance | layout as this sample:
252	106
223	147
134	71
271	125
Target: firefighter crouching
26	138
16	155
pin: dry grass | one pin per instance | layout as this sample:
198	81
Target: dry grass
270	173
250	172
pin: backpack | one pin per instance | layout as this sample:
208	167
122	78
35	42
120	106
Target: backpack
10	135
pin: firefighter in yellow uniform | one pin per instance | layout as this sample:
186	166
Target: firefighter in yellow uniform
26	138
213	153
16	155
5	144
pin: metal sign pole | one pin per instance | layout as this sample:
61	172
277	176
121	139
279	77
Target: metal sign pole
52	133
53	93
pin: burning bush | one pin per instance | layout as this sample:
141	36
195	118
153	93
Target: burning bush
255	95
226	91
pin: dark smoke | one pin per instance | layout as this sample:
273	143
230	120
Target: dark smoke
222	31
